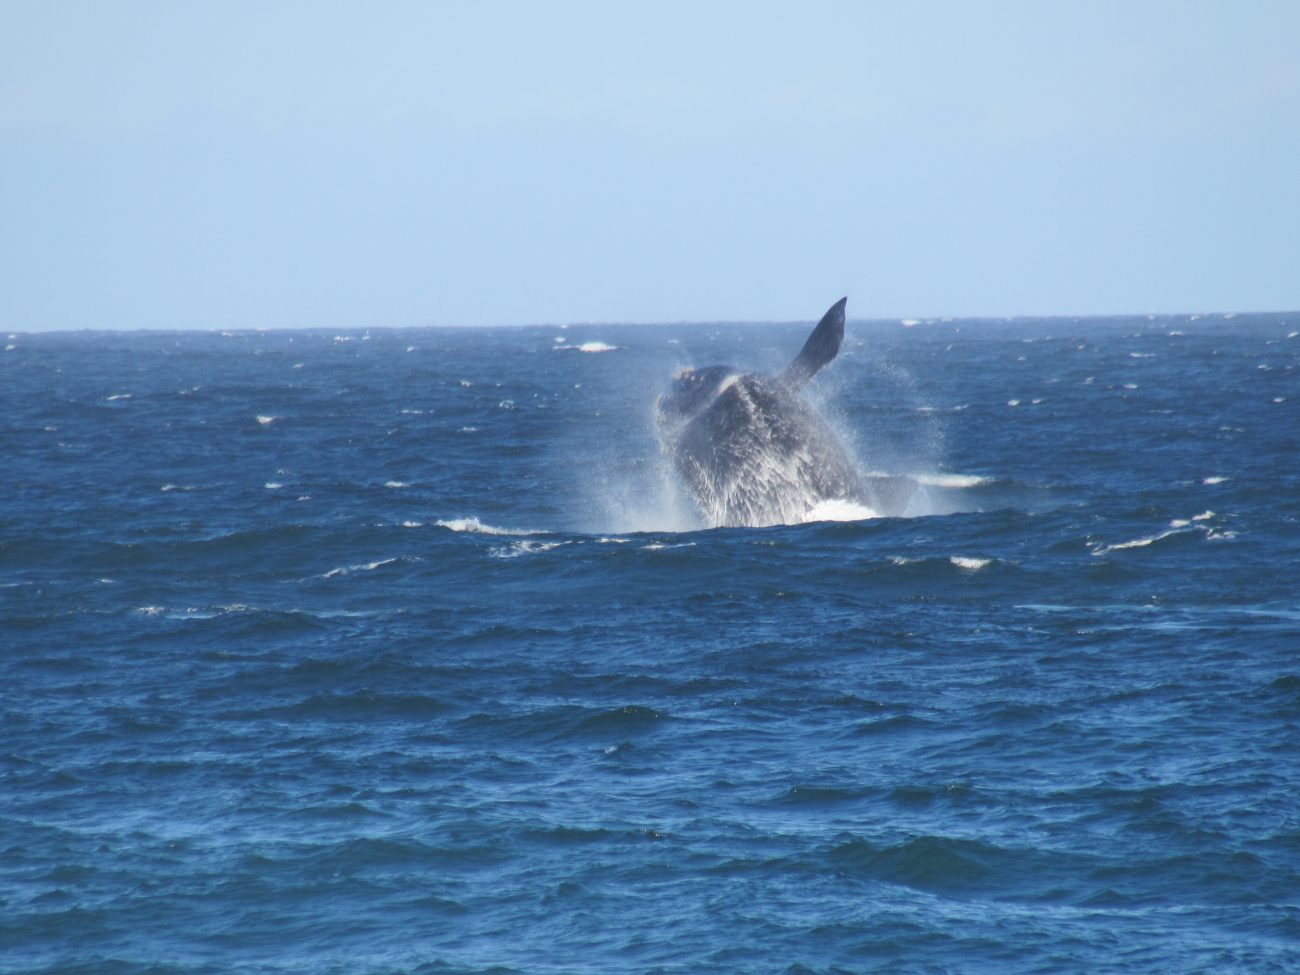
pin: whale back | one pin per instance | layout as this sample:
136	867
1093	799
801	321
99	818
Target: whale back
759	455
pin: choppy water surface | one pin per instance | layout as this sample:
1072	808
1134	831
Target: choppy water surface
401	651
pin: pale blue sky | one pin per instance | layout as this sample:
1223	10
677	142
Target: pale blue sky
273	164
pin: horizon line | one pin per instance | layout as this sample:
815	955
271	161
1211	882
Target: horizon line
906	321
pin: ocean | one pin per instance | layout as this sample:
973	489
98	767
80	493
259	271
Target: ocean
381	651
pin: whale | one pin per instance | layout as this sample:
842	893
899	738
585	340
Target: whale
752	451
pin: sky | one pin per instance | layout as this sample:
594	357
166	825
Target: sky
282	164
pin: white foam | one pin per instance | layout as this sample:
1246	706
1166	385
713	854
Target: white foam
10	347
396	484
117	396
953	480
412	412
412	524
265	420
664	546
1136	543
272	485
507	404
1013	402
297	365
1141	355
560	339
523	547
1292	335
466	383
971	565
1279	399
474	526
468	430
1214	480
364	567
597	347
840	509
910	322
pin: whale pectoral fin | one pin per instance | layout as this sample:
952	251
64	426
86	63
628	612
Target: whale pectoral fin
822	346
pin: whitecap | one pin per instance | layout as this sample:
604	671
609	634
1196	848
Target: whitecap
117	396
971	565
597	347
840	509
397	484
363	567
1217	479
953	480
1141	355
523	547
664	546
468	430
909	322
265	420
412	524
272	485
466	383
474	526
1013	402
1137	542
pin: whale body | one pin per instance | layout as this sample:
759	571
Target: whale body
753	452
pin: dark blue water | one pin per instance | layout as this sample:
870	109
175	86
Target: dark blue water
401	651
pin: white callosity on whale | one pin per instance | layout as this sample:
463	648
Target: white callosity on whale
754	452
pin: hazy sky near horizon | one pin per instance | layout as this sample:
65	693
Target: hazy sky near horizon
241	164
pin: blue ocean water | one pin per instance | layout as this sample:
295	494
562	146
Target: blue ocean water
402	651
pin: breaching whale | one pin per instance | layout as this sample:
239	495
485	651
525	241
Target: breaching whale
753	452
